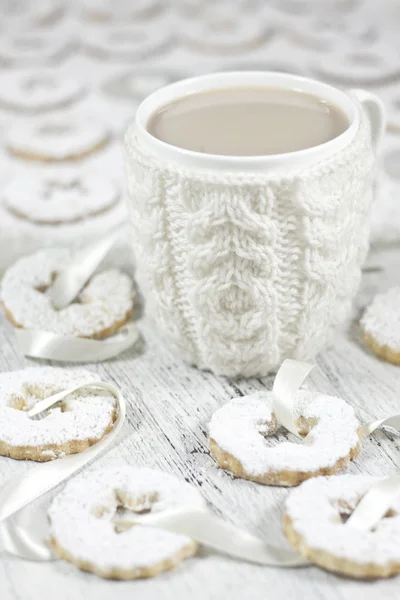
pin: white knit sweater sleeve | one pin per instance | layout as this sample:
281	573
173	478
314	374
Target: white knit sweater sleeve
241	271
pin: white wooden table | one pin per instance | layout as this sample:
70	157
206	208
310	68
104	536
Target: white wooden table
169	406
170	403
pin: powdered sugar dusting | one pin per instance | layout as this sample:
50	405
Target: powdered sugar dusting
56	139
60	197
37	89
240	427
105	301
84	415
381	319
81	517
315	509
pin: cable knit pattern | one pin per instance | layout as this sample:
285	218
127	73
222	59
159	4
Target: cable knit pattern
241	271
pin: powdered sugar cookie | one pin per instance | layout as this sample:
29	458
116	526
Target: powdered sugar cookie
56	140
103	306
126	42
315	523
20	236
381	325
83	531
34	48
138	84
119	10
79	421
61	197
369	66
29	13
221	32
37	91
238	433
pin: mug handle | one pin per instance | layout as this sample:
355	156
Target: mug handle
376	113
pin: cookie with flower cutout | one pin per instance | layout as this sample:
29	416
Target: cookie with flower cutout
60	197
71	426
39	90
57	140
317	522
381	325
104	305
87	522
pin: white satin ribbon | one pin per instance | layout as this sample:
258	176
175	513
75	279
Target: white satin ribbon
287	383
26	488
67	348
392	421
375	504
73	277
68	284
26	539
211	531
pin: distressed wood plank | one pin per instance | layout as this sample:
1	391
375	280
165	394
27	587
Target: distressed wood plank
169	406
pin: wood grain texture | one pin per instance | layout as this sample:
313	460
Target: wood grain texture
169	406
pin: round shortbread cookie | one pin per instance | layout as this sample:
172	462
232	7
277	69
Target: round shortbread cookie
126	42
381	325
20	237
315	523
84	533
29	13
369	66
119	10
35	48
60	197
136	85
103	306
37	91
76	423
221	32
238	433
56	140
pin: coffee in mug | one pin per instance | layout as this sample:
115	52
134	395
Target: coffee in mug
247	121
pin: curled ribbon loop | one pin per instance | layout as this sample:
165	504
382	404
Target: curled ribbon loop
287	383
208	529
211	531
67	348
375	504
23	489
27	539
68	284
392	421
71	280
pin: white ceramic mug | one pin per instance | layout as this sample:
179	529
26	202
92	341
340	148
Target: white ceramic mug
246	261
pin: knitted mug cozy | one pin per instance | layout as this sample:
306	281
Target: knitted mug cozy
243	270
